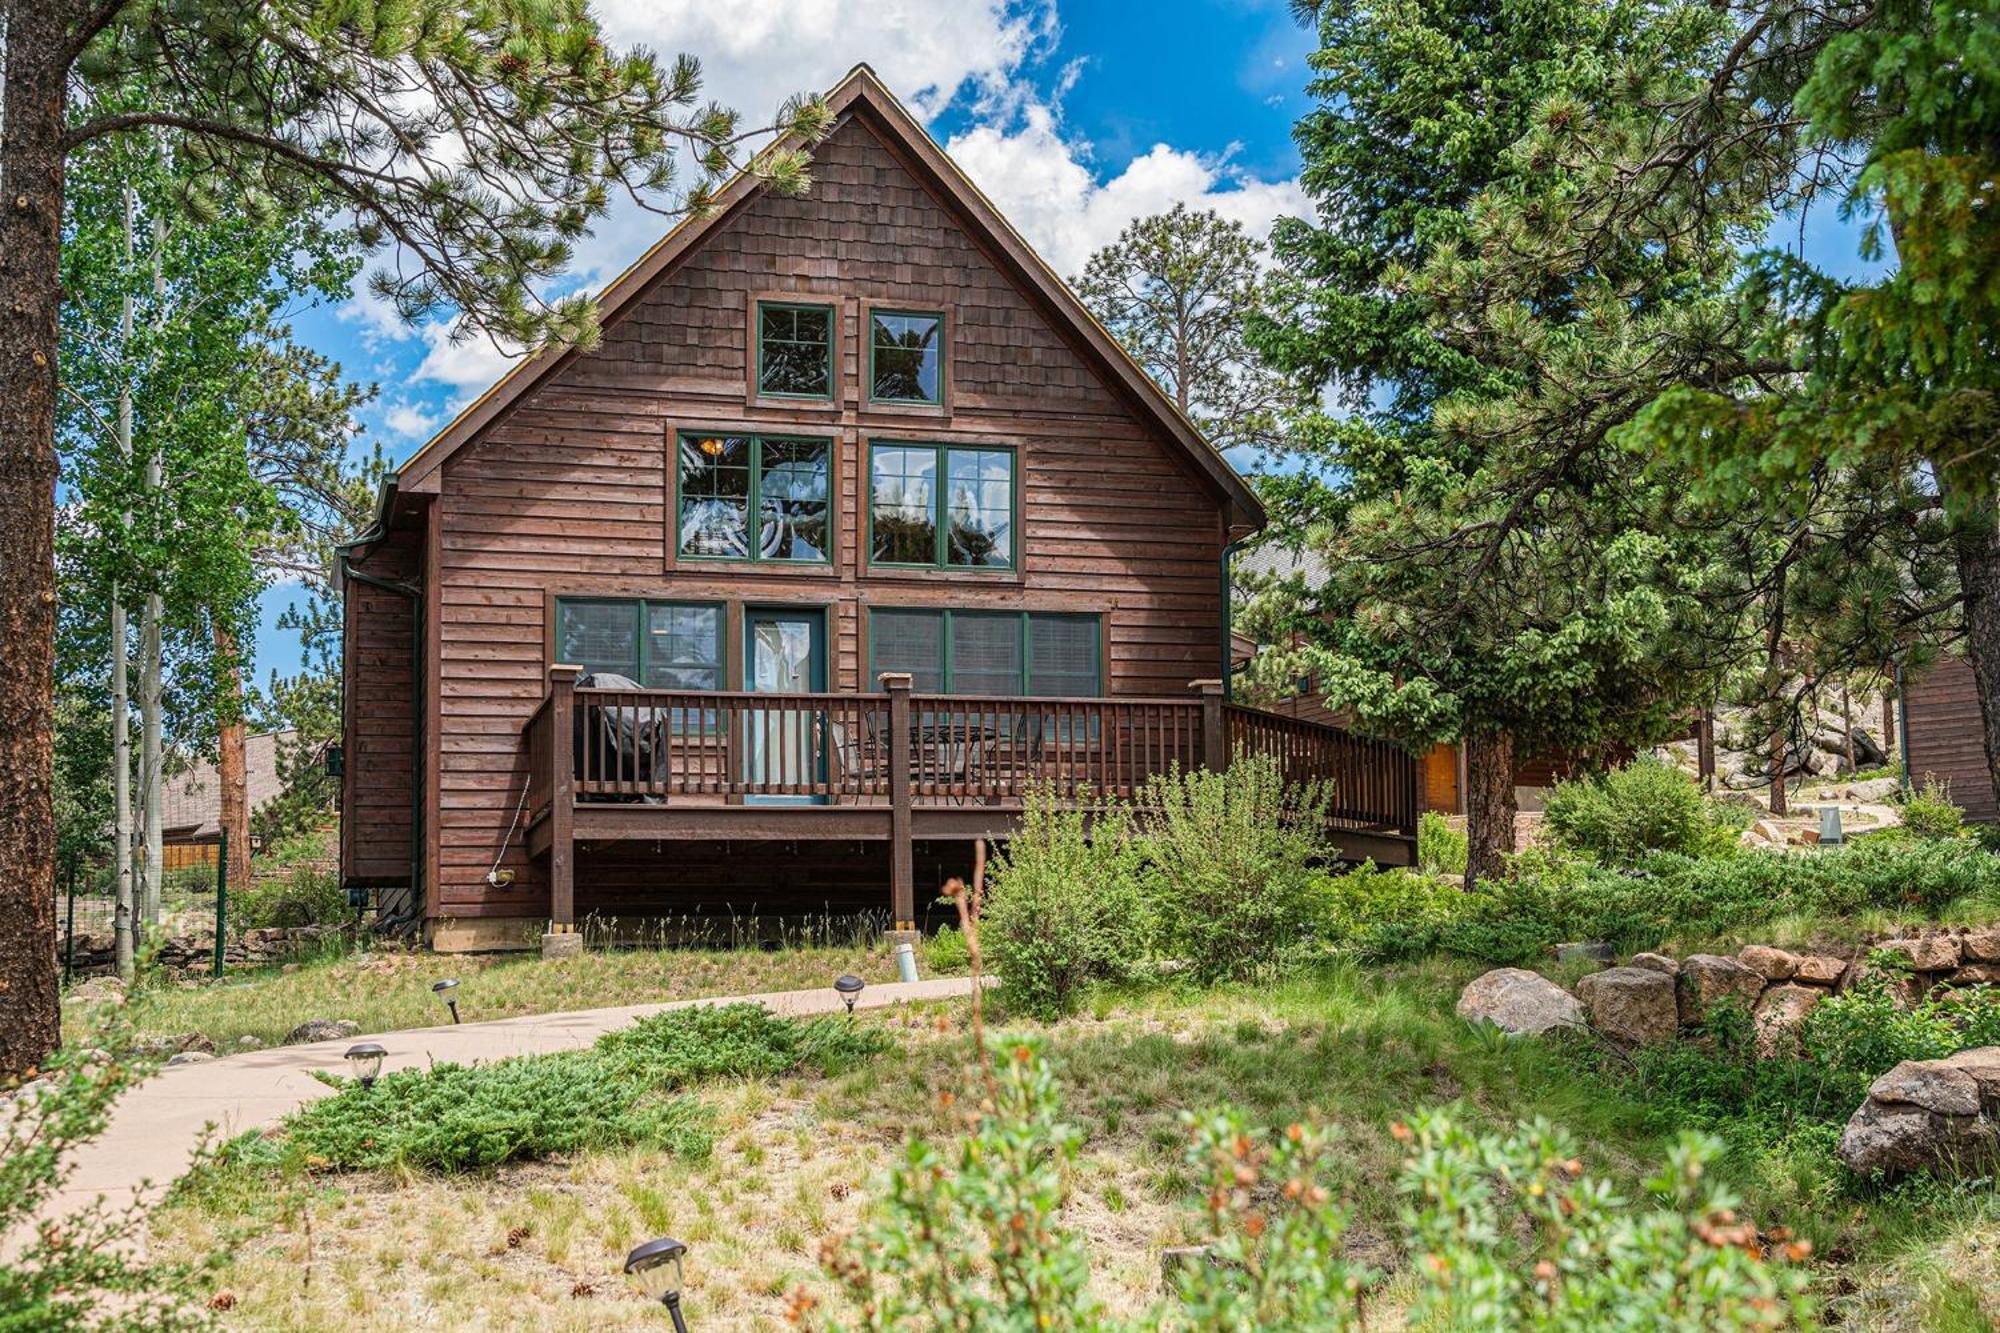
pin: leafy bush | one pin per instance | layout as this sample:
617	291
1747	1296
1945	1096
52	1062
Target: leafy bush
1063	908
1847	1042
304	896
1552	898
1231	864
946	951
1513	1234
1441	849
1928	813
1645	807
621	1091
85	1272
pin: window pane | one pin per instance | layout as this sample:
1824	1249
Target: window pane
715	495
794	350
907	357
985	654
902	488
1063	655
979	501
791	493
684	648
911	641
599	636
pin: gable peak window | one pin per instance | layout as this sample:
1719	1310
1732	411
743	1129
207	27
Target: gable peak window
794	349
906	356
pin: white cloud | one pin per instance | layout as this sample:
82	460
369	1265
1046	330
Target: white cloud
1040	182
406	420
932	53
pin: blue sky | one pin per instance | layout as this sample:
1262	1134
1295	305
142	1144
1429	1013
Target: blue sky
1074	117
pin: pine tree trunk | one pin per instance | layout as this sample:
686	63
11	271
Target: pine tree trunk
1489	804
31	197
1891	744
1978	549
233	773
1847	726
1779	804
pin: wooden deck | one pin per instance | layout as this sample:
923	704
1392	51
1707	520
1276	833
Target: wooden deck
611	765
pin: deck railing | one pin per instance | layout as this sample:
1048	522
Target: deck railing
900	749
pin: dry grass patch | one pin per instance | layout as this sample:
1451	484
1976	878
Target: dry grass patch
390	991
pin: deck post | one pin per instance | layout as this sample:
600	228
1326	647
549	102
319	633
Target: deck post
902	866
562	800
1214	735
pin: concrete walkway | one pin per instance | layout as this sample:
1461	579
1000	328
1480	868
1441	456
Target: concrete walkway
158	1125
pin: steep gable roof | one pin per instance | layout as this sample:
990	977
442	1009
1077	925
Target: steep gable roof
861	92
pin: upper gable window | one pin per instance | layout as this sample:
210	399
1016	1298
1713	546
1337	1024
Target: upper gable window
905	357
794	350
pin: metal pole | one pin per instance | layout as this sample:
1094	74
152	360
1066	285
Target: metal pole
221	898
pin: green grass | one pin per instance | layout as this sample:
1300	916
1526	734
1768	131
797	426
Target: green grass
385	992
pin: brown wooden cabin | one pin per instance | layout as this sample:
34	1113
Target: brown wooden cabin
1943	735
880	523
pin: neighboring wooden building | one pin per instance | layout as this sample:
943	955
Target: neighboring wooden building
191	802
880	523
1944	737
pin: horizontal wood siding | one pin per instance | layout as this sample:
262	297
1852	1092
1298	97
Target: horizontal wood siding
569	493
1942	717
375	792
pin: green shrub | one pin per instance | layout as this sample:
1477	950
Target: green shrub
1928	813
85	1274
1512	1232
622	1091
1645	807
1063	907
1441	849
946	951
304	896
1232	864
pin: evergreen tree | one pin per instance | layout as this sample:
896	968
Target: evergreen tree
477	141
1178	289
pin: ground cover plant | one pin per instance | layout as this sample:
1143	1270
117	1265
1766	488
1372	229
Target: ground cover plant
624	1090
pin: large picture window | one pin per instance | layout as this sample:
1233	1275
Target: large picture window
905	357
941	506
794	350
662	645
1002	653
752	497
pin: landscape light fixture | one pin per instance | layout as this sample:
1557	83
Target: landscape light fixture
848	987
366	1062
655	1269
447	991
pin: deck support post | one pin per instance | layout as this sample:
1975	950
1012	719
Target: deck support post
562	798
902	863
1214	735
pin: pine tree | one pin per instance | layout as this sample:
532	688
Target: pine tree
479	142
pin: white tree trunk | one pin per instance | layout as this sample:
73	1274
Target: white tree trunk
149	660
121	686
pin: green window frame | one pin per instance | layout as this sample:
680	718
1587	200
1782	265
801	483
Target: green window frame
650	635
933	354
778	512
778	328
1035	658
971	527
